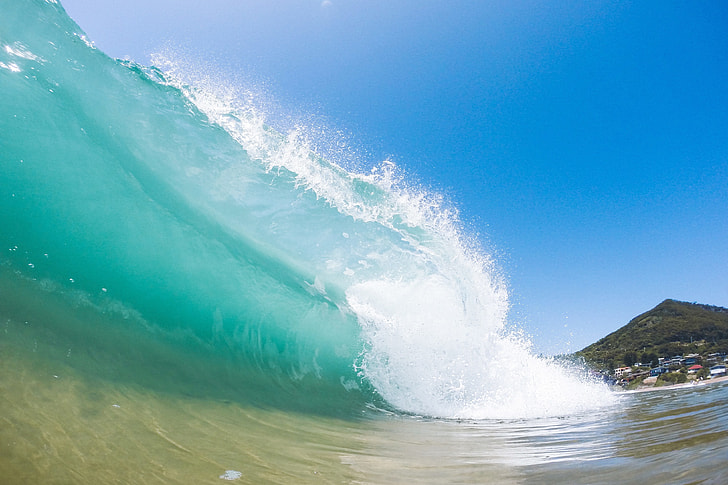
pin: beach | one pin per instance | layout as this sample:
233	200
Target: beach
684	385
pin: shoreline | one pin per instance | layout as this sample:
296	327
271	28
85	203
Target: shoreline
689	385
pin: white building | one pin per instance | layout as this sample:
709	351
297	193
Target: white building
717	371
622	371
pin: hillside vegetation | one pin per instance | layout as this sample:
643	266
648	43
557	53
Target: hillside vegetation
671	328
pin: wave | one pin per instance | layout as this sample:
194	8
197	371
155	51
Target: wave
161	200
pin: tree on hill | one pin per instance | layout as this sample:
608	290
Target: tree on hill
630	358
671	328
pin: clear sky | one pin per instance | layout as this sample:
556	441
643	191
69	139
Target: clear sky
586	142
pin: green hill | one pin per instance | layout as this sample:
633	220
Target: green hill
671	328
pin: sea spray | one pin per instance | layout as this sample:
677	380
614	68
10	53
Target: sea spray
432	305
156	190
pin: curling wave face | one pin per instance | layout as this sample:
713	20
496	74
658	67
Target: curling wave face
158	198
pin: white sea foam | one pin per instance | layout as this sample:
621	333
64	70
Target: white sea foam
434	352
231	475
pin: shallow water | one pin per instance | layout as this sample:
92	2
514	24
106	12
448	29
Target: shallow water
65	424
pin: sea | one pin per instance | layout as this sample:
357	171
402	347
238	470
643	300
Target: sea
191	293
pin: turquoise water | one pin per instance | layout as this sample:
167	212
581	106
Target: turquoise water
113	196
181	283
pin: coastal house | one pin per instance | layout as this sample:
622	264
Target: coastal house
717	371
657	371
693	369
622	371
716	358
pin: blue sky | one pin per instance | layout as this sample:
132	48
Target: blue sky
586	142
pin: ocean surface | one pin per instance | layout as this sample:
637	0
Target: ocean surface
190	294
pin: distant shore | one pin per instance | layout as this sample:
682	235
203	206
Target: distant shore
690	384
